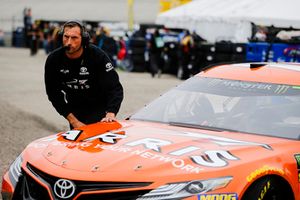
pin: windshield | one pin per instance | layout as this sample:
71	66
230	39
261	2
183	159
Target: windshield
251	107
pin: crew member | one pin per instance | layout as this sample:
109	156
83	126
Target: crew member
80	79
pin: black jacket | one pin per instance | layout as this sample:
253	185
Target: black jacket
88	86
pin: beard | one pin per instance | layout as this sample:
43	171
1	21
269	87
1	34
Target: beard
71	50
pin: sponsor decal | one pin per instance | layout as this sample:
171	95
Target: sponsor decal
222	141
82	82
156	144
247	85
110	137
297	157
281	89
266	88
78	84
152	149
71	135
262	171
37	145
296	87
174	161
72	82
71	145
65	96
64	189
108	67
221	196
64	71
42	143
241	86
212	158
264	190
83	71
217	158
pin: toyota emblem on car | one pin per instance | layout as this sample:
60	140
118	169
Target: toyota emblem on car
64	188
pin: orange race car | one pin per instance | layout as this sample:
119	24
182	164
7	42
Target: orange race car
230	132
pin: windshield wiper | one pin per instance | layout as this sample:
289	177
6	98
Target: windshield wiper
210	128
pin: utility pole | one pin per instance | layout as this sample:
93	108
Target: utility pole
130	14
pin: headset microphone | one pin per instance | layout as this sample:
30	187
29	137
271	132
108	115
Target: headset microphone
67	48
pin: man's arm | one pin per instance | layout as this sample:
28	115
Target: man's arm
74	121
53	86
109	81
114	92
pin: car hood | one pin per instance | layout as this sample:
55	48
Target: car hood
143	147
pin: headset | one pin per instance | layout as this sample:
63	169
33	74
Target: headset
84	34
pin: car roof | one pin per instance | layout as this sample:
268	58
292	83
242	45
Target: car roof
280	73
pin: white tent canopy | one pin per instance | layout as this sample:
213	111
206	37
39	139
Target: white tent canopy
231	19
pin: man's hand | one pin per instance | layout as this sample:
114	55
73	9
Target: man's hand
74	121
110	117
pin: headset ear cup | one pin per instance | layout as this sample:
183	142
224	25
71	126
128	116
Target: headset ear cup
85	39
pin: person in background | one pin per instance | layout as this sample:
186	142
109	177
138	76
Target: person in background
122	53
55	43
107	44
35	36
27	20
155	45
47	38
186	52
2	43
80	79
261	34
195	56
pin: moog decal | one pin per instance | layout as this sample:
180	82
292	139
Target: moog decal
223	196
